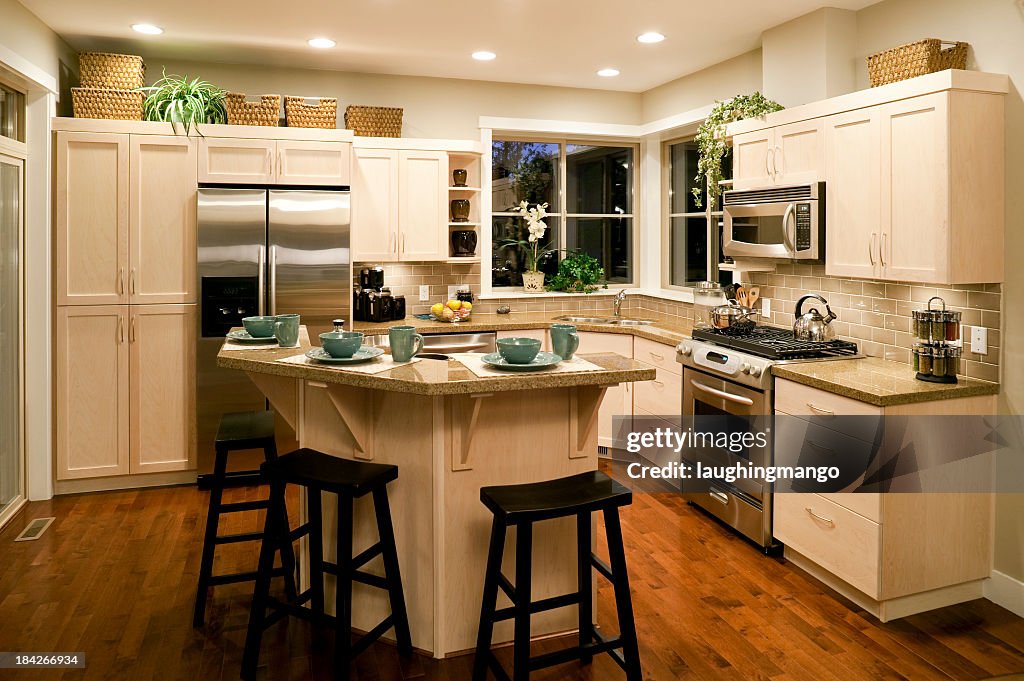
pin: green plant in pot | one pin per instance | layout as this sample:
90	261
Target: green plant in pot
712	144
533	279
177	99
578	273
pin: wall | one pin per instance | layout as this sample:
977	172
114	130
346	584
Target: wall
24	34
741	74
434	107
820	47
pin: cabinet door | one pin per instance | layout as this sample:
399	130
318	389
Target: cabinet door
618	400
423	205
236	160
750	159
90	357
162	341
853	194
374	205
91	221
314	163
799	152
915	189
162	220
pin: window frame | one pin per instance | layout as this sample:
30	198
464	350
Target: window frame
563	141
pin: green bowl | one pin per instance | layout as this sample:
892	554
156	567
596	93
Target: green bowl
341	343
518	350
259	327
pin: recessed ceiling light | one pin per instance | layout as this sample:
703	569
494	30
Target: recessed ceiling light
650	37
484	55
148	29
608	73
321	43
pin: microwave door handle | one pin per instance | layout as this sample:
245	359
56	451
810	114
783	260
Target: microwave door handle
787	241
729	397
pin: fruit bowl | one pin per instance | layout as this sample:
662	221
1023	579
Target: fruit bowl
457	316
451	312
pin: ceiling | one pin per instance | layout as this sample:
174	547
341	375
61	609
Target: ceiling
549	42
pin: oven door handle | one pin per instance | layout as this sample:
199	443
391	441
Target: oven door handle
739	399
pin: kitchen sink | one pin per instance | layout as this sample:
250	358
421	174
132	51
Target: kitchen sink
630	322
583	320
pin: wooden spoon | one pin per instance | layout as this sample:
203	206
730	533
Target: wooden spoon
753	295
741	296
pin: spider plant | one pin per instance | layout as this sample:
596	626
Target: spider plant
177	99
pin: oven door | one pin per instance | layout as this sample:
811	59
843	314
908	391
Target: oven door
773	230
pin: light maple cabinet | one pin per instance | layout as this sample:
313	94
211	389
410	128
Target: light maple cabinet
782	155
266	161
914	189
399	205
617	406
894	554
662	397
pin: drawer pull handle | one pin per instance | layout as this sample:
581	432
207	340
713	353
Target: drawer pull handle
658	383
821	448
823	520
657	358
720	497
819	410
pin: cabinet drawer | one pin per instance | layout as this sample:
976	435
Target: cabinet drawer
662	397
839	540
802	400
867	504
657	355
592	341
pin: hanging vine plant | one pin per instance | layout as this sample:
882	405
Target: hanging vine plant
711	139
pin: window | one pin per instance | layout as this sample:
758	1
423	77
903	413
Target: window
589	191
693	245
12	114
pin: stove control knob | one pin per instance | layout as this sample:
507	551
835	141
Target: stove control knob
686	350
754	371
744	368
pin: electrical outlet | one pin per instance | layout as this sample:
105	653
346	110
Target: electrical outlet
451	292
979	340
424	293
766	307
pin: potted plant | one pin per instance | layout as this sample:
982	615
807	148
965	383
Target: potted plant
176	99
578	273
533	279
711	142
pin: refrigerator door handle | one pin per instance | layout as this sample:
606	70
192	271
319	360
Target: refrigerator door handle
260	284
273	280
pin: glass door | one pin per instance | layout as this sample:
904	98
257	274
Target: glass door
12	451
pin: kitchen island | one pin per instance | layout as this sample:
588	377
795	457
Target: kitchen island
450	432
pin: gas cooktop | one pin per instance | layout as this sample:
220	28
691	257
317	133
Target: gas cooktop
776	343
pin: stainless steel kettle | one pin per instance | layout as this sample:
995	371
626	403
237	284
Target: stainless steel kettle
812	326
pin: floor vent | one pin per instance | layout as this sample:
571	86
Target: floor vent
602	451
34	530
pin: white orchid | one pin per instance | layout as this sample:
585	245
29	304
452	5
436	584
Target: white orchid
535	225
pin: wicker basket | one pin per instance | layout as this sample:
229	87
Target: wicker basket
266	112
374	121
120	105
916	59
112	71
298	114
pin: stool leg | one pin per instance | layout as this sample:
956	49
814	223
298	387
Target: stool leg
209	538
272	538
287	551
343	592
314	515
524	588
399	615
585	581
490	600
623	599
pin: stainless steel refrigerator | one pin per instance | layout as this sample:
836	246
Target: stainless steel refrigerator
264	252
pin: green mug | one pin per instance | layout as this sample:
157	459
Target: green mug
405	342
286	330
564	340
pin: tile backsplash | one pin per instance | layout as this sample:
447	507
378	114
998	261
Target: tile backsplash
407	277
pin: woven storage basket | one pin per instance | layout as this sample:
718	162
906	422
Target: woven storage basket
916	59
113	71
374	121
298	114
120	105
265	112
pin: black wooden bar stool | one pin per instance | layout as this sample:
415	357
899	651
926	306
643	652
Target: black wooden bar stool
237	432
319	472
521	506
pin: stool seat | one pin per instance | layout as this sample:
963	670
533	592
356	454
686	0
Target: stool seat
244	430
314	469
582	493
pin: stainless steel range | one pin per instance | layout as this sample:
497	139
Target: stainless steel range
728	377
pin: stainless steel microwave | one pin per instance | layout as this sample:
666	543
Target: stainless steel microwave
775	222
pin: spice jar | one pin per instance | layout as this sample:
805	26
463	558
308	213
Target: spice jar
939	361
953	361
924	360
952	326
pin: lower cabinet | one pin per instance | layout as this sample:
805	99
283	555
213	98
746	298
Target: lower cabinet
618	401
125	390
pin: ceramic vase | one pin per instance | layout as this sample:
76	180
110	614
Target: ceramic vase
459	175
533	282
460	210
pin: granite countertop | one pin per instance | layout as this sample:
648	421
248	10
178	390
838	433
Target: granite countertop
880	382
663	330
435	377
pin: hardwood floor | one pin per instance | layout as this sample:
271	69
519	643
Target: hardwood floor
115	577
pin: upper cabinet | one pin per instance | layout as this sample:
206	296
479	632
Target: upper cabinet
125	225
375	205
267	161
787	154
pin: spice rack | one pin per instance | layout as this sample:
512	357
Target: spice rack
936	358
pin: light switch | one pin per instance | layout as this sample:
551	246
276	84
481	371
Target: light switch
979	340
424	293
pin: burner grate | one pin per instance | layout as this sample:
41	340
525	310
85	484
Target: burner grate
775	343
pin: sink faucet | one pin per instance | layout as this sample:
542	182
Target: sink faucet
617	303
